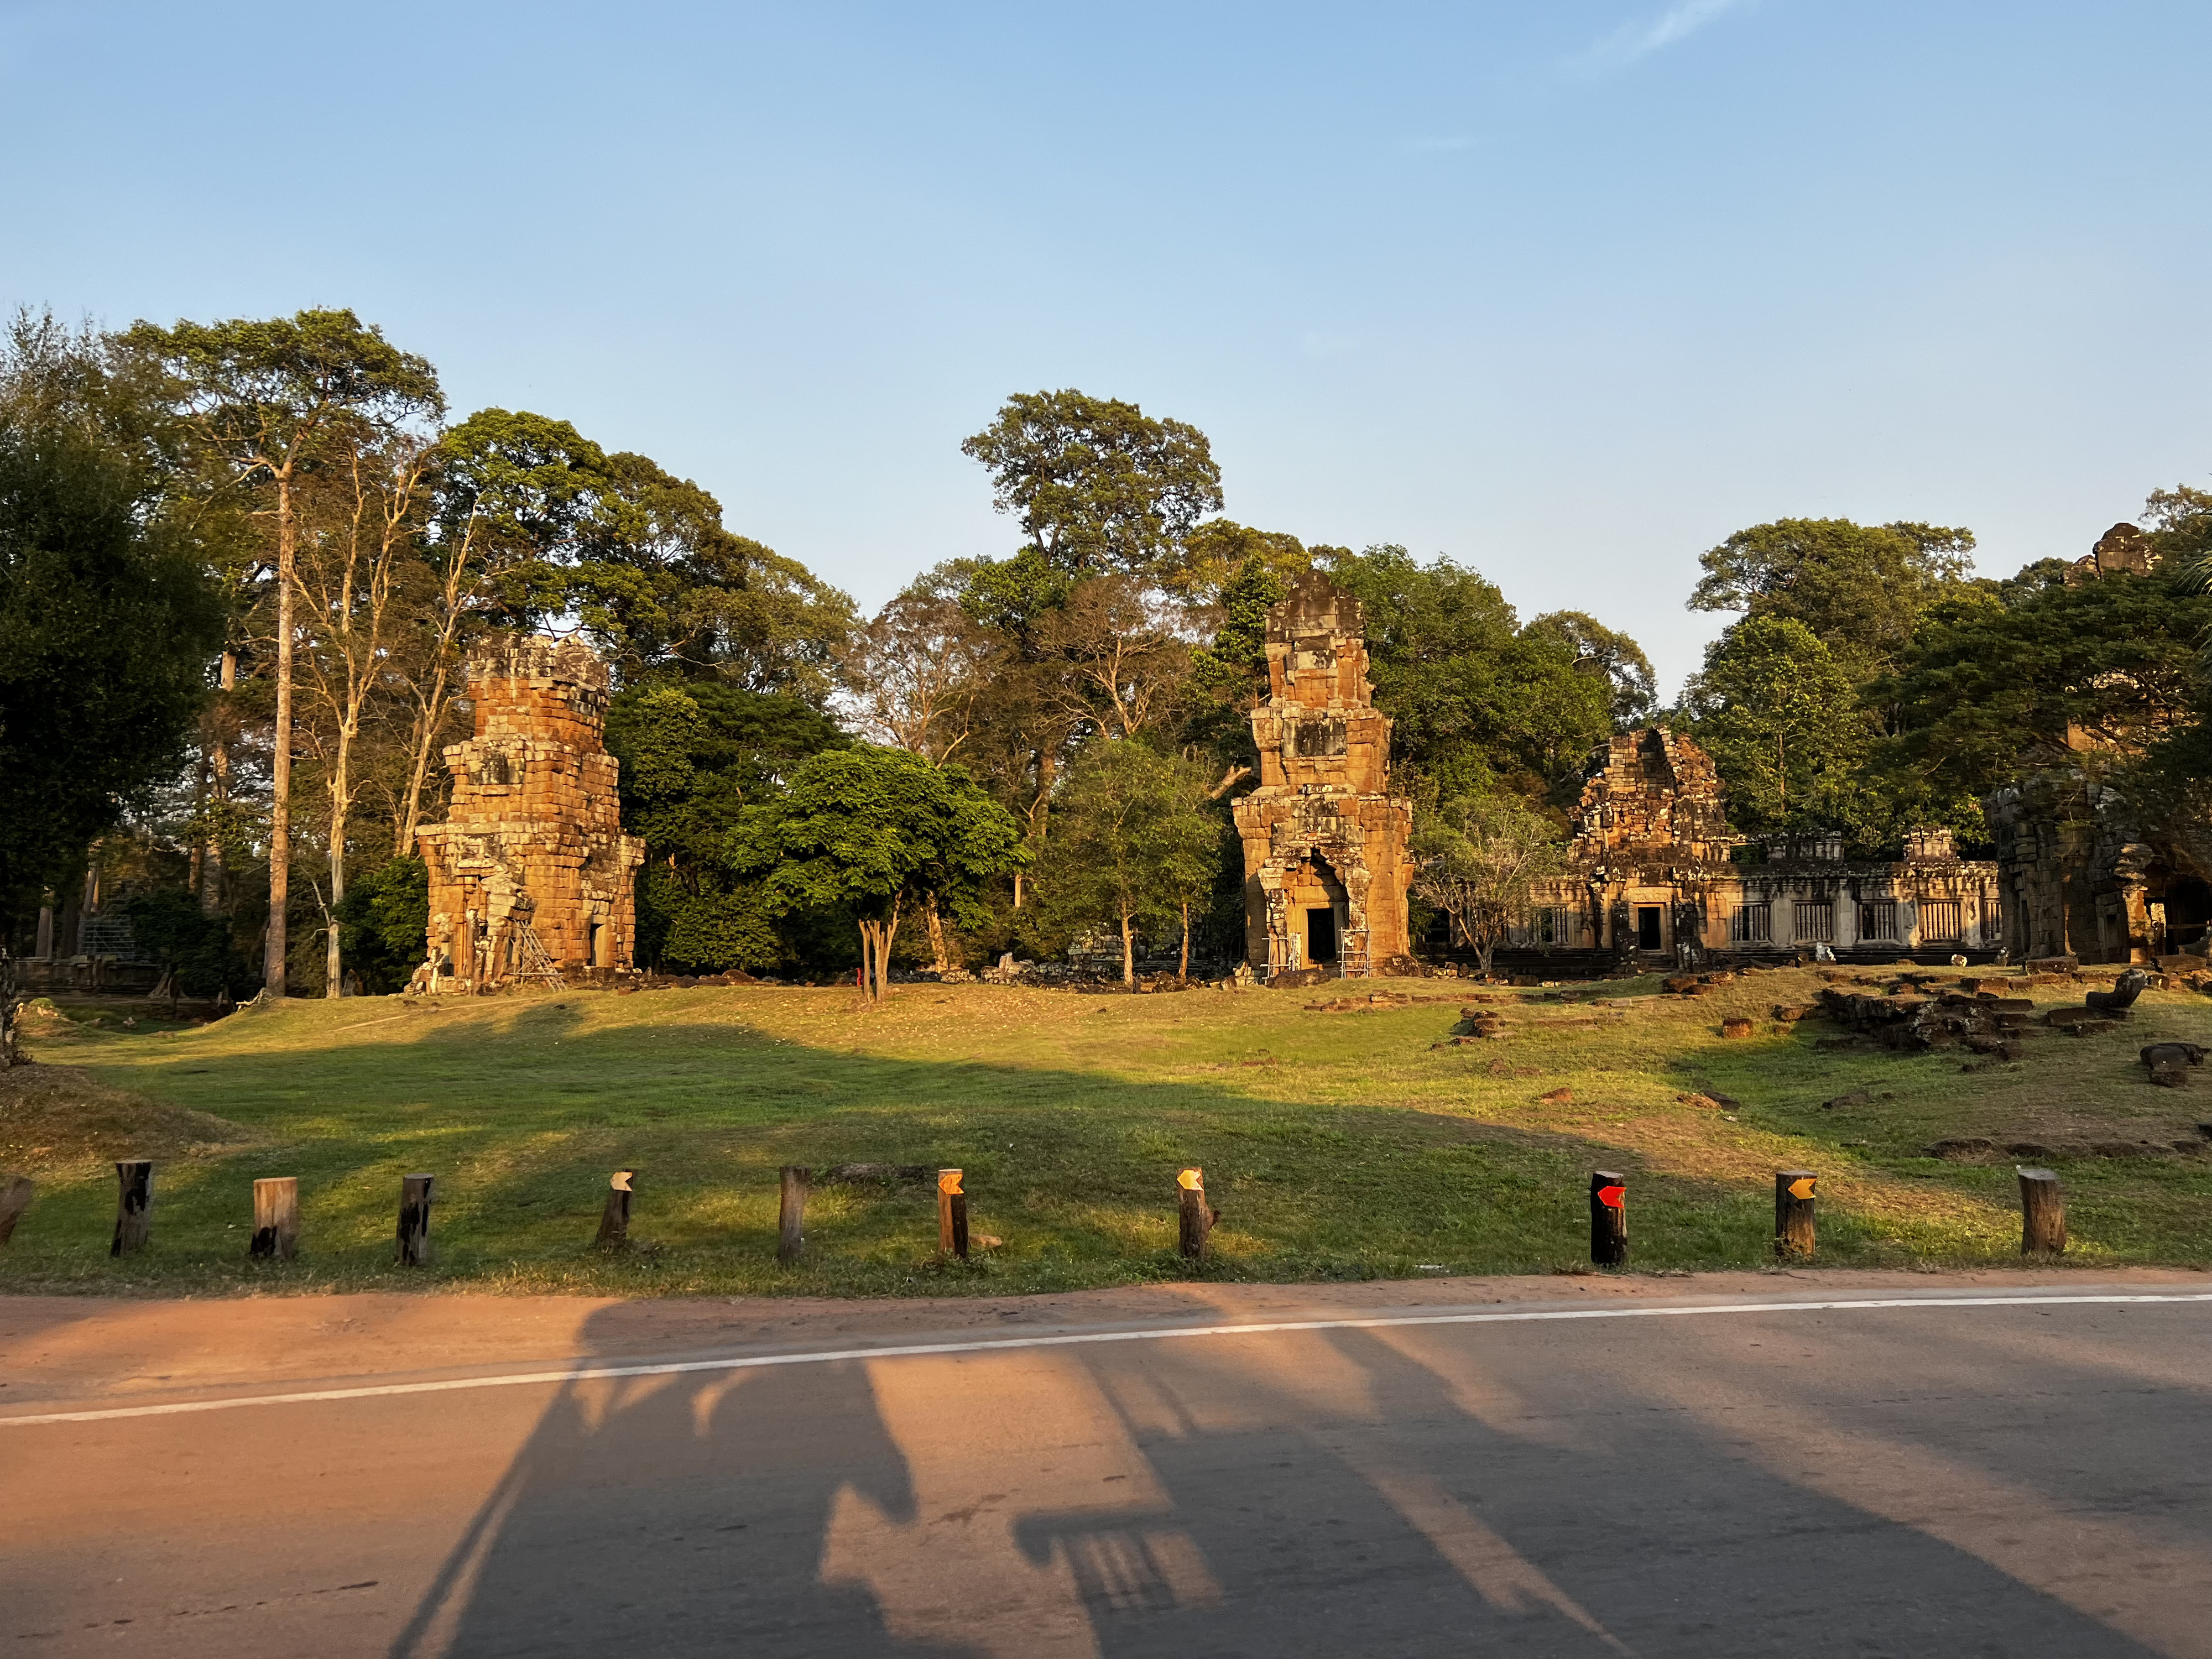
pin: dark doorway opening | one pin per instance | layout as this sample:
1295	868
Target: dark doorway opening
1321	936
1647	927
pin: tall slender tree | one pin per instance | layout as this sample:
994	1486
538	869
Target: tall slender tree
262	397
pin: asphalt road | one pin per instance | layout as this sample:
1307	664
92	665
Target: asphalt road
1926	1479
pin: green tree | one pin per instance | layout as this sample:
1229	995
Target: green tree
1784	724
262	398
1860	588
385	922
1601	650
1134	841
693	756
1098	484
1478	702
1477	858
881	831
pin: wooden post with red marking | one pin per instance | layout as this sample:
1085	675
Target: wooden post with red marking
275	1220
2042	1213
1793	1214
1196	1216
614	1220
1608	1200
134	1205
791	1213
951	1215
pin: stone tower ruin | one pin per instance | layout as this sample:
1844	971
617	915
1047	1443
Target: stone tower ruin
1325	865
531	877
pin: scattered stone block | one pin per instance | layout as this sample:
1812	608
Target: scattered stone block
1736	1027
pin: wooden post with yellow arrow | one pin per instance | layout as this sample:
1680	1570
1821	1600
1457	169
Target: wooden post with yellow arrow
1793	1214
951	1215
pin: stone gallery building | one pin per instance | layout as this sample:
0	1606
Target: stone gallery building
531	877
1326	862
1657	877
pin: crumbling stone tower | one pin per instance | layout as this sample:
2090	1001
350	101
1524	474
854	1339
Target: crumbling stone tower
1326	865
531	874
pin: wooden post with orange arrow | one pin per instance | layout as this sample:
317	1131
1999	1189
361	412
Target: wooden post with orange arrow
1793	1214
951	1215
1608	1200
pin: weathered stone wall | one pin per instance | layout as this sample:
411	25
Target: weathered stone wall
534	838
1655	875
1322	832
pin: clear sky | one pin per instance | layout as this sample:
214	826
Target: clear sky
1565	290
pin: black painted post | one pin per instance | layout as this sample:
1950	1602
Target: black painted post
14	1198
1608	1202
134	1205
414	1220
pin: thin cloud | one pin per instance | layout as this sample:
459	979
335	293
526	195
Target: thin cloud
1631	41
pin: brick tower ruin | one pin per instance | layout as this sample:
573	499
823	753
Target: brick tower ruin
531	877
1326	865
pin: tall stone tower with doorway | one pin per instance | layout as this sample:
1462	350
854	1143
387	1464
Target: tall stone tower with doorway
531	877
1326	865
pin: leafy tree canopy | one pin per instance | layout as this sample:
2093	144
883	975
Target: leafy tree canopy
882	832
1477	701
1601	650
1135	839
1861	588
107	619
2042	673
694	756
1476	859
1098	485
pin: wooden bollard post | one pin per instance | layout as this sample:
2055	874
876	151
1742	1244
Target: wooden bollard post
791	1214
14	1198
1793	1214
276	1218
1608	1200
134	1205
614	1220
951	1215
2042	1213
1195	1216
415	1220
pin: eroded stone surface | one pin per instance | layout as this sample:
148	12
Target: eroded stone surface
1326	865
533	848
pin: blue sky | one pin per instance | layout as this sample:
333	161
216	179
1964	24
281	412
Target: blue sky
1565	291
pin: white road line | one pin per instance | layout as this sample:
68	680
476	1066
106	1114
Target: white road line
583	1372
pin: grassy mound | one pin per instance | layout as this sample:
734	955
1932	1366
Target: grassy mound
61	1119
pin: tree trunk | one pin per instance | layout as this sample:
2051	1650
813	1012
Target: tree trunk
1182	968
1483	950
1129	953
197	872
936	936
7	1010
867	963
280	805
884	954
341	813
211	893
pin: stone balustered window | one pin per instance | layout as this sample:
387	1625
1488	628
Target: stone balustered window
1815	923
1878	920
1752	924
1940	922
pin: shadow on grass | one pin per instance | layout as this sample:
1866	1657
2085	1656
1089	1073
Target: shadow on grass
1074	1170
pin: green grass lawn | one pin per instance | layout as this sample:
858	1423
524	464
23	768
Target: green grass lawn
1335	1144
